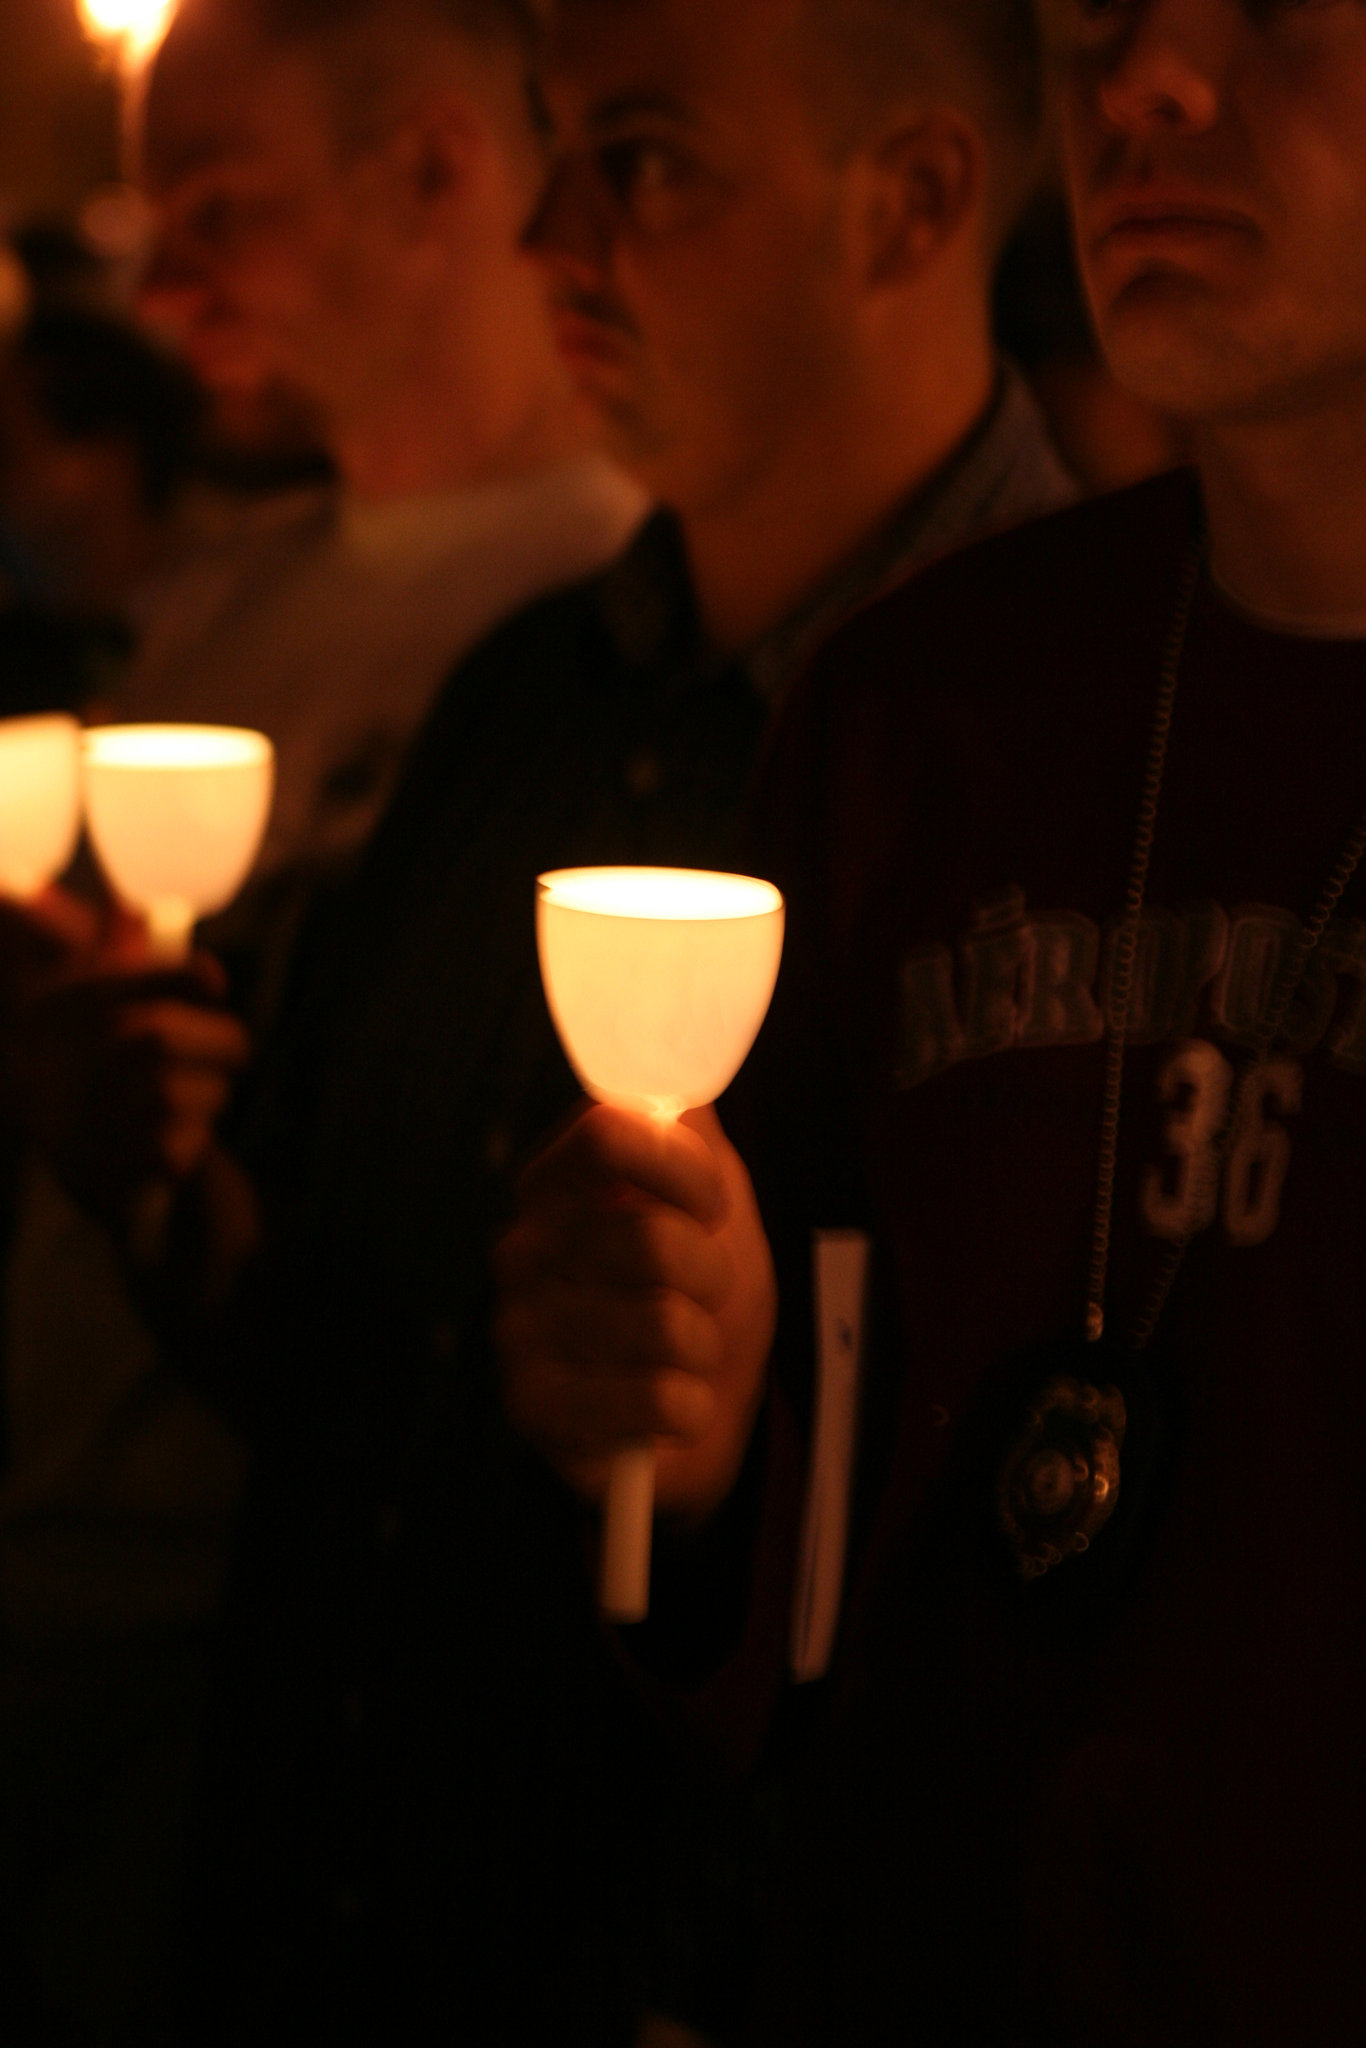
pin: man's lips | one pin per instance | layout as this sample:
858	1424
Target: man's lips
1140	220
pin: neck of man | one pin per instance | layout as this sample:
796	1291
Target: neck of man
482	404
1286	500
757	556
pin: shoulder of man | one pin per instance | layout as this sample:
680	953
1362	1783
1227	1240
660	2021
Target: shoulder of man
1024	622
598	636
1019	612
983	614
538	650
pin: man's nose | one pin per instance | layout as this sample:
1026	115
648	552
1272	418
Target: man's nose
570	231
1168	73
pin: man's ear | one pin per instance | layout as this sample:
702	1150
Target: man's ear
923	186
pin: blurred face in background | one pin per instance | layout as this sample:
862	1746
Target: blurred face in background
275	244
694	236
1216	151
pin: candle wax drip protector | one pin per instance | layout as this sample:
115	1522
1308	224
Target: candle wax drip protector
176	815
657	979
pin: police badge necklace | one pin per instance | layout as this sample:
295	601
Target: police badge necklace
1061	1482
1281	996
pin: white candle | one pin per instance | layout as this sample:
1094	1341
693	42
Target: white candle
176	814
658	980
40	800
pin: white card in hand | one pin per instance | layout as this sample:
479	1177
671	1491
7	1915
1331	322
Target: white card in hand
840	1277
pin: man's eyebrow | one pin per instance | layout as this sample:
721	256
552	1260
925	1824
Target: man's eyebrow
634	106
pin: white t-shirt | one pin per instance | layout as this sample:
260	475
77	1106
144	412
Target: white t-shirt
330	625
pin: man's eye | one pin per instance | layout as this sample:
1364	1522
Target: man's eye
637	172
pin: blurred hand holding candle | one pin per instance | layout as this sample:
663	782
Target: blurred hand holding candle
658	980
176	814
40	801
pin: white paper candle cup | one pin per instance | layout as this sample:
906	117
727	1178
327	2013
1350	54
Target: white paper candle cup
176	815
40	800
658	980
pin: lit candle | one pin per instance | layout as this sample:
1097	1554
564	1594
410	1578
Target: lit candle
658	980
176	814
40	800
131	29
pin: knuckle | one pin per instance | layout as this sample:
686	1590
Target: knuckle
654	1317
718	1274
685	1406
646	1239
672	1325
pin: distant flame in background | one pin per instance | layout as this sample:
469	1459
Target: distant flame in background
133	28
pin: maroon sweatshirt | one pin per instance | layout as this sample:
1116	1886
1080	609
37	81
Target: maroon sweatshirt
1119	1801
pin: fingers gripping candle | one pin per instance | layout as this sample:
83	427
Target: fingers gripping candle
176	815
658	980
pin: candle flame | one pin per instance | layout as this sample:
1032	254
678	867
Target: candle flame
175	746
669	894
133	27
657	978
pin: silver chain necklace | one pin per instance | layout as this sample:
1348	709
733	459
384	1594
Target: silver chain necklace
1282	995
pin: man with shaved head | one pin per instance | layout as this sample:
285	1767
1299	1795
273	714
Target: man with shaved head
770	233
1071	1037
769	250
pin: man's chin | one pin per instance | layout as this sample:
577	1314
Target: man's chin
616	424
1169	347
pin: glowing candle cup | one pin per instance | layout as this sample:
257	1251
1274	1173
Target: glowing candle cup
40	801
658	980
176	814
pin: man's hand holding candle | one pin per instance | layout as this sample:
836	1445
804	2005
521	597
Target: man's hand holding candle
119	1068
637	1300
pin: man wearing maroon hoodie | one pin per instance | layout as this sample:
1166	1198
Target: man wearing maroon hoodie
1072	1033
